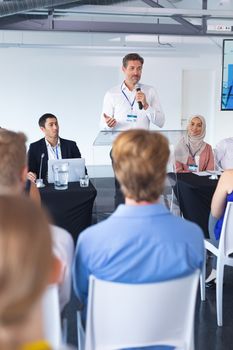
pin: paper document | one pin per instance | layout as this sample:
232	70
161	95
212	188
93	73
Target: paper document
208	173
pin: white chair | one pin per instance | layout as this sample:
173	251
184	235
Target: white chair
135	315
80	331
169	183
222	252
51	316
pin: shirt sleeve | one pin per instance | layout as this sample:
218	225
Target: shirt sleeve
220	151
154	112
210	159
179	167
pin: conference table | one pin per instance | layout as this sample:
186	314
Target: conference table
194	194
71	208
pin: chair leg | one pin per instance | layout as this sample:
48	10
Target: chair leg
64	330
202	279
81	333
219	291
171	203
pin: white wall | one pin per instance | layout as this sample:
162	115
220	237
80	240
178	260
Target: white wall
70	82
199	97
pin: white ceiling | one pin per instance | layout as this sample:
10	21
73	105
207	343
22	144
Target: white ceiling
175	25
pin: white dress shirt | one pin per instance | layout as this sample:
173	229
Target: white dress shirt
224	153
54	152
119	102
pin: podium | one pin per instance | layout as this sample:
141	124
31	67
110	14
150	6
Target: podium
106	137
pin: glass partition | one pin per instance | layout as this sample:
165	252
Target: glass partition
106	137
170	193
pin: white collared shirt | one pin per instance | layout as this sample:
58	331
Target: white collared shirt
118	103
224	153
54	152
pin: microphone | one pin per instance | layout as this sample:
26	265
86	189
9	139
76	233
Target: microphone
39	181
140	106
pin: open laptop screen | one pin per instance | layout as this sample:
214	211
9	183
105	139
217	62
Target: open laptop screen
76	168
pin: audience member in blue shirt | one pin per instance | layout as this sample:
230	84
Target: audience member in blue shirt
222	195
141	241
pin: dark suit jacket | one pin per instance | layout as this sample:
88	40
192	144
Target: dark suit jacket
69	149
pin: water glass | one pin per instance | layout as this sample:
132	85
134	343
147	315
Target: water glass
84	181
214	176
61	175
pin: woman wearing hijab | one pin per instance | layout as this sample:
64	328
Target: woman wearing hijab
192	153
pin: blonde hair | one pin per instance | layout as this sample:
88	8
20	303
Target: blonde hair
25	262
13	157
139	160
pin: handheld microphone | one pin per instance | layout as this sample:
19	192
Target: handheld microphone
140	106
39	182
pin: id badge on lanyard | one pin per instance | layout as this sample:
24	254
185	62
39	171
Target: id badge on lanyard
192	167
131	117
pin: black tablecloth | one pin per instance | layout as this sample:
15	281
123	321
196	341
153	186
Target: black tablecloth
71	208
194	194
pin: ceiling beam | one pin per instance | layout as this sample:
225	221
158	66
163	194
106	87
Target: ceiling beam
187	24
151	3
100	27
157	11
9	8
204	4
73	4
204	18
177	18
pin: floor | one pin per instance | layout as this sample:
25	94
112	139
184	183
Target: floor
207	334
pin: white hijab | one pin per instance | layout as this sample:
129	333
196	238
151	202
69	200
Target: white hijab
188	143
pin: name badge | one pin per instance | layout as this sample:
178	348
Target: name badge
131	118
192	167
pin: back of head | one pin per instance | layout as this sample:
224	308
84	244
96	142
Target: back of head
44	117
25	263
139	160
132	57
13	157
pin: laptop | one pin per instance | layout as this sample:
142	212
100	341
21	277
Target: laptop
76	168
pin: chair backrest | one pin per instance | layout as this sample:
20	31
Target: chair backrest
226	238
171	179
51	316
171	164
135	315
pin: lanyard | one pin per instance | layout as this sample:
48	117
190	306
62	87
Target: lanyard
55	151
131	104
190	152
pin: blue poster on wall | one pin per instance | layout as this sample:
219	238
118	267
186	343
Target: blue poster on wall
227	76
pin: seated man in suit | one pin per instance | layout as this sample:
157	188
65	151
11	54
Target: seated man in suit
141	242
52	146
